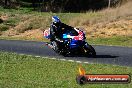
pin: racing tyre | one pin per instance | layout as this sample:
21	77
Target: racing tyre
65	51
55	46
58	50
91	51
66	54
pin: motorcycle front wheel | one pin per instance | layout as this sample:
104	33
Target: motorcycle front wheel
55	46
90	51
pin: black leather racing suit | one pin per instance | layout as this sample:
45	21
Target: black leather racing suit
56	33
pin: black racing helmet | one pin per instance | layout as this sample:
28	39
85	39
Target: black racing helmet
55	20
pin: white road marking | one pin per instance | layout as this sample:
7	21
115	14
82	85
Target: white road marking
53	58
63	59
85	62
57	59
30	55
37	56
22	54
45	57
71	60
79	61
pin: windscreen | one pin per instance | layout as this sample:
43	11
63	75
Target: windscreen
70	31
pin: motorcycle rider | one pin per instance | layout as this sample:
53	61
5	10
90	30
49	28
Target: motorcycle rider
63	38
57	28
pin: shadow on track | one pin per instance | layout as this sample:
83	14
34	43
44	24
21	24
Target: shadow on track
106	56
97	56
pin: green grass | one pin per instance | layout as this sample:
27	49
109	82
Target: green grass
115	41
21	71
24	39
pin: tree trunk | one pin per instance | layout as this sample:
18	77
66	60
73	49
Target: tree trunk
109	4
33	4
6	2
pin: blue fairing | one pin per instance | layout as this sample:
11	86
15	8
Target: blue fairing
65	36
73	43
76	43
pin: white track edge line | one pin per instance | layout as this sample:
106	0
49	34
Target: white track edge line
58	59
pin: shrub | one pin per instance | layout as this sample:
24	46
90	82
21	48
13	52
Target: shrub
11	22
3	27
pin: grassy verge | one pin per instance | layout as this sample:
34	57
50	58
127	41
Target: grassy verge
115	41
21	71
24	39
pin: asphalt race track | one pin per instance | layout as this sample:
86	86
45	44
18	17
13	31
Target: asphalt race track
105	54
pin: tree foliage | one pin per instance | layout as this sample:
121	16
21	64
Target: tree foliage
64	5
